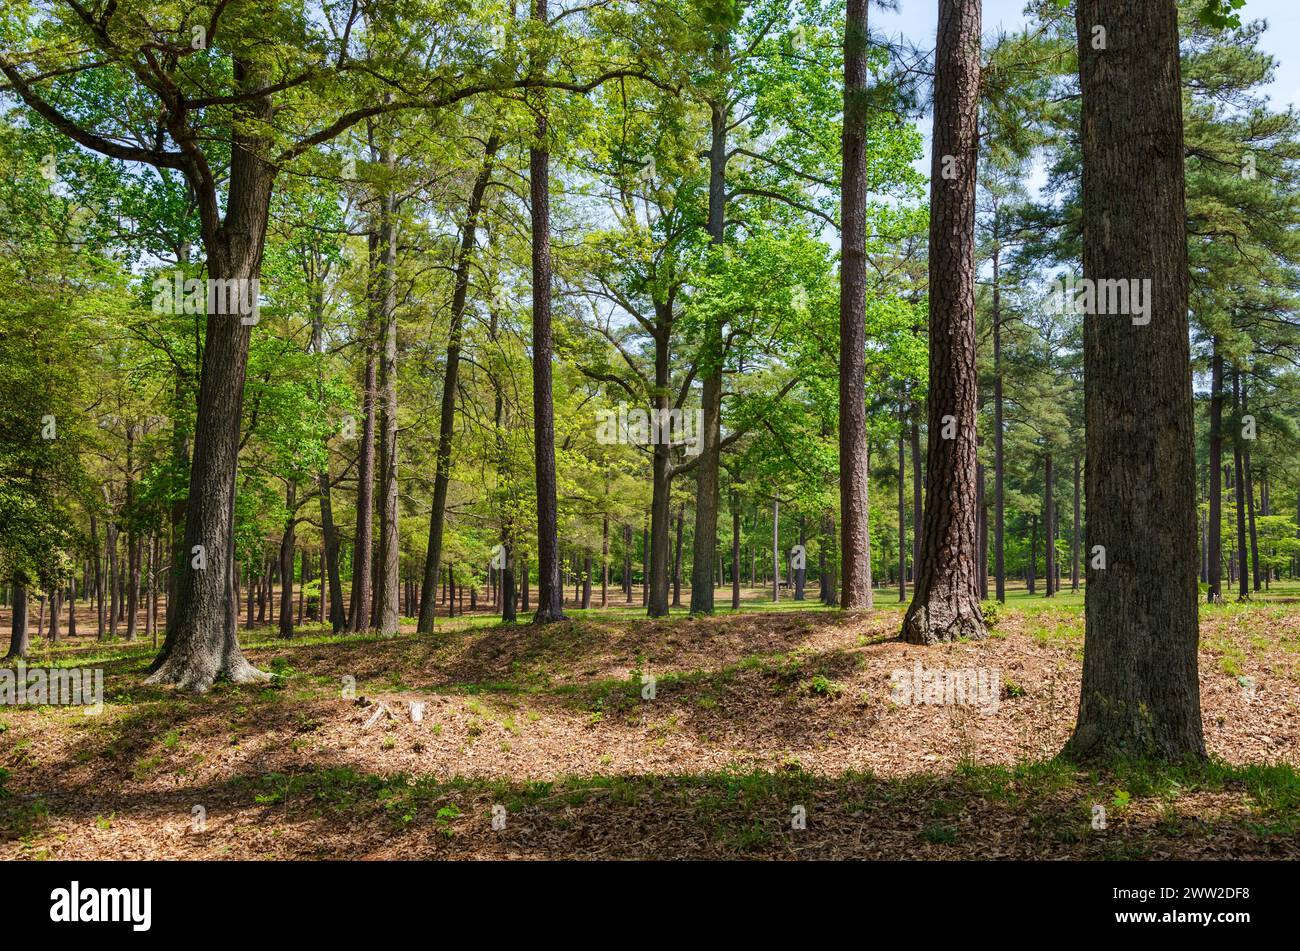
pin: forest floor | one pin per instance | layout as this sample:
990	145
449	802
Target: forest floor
756	720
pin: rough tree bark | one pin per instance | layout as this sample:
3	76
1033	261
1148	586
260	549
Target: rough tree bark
855	569
1139	695
945	601
201	643
550	592
705	541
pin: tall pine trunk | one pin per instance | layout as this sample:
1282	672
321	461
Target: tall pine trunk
550	591
855	567
945	601
1140	692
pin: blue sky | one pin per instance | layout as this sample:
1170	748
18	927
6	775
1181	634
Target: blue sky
916	20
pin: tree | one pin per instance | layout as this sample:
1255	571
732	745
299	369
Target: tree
945	599
550	587
855	512
1140	692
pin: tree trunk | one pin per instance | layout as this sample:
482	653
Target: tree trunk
388	562
677	559
72	603
18	636
776	550
99	579
981	509
286	564
1140	692
1076	530
945	605
661	515
1238	486
447	412
604	561
735	548
646	579
1049	529
132	539
918	481
114	589
201	643
550	593
1248	484
1031	572
999	456
902	505
1215	543
363	543
855	571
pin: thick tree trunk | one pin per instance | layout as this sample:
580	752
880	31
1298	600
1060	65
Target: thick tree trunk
550	594
1140	692
201	643
945	605
855	570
